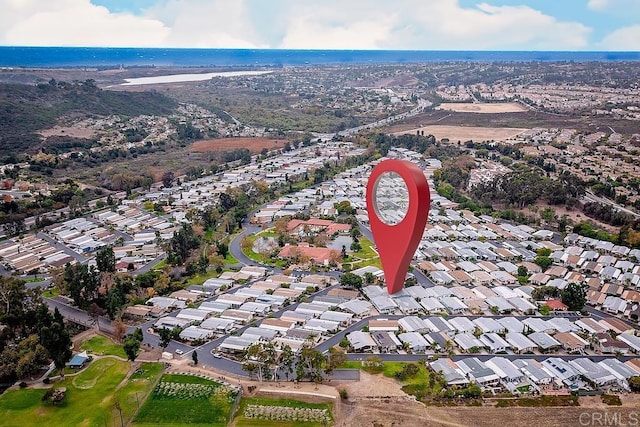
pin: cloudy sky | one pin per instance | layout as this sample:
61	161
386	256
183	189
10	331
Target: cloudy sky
325	24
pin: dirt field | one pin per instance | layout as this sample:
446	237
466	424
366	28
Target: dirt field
480	108
466	133
224	144
70	131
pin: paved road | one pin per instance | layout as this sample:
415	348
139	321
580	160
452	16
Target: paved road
78	316
590	197
149	266
234	246
42	284
207	359
482	357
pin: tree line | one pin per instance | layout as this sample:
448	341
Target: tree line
31	336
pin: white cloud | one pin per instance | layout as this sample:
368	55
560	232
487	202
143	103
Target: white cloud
177	23
624	8
428	24
207	23
623	39
598	4
74	23
329	24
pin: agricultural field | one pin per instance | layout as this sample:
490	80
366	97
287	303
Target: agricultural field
482	108
282	413
187	400
467	133
255	145
92	398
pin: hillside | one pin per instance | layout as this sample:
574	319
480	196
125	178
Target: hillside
26	109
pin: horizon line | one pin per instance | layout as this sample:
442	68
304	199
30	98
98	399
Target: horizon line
316	49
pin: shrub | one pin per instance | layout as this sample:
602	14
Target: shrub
47	395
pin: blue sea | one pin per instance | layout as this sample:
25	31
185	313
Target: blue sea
44	57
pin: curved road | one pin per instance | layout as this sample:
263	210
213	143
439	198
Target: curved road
232	367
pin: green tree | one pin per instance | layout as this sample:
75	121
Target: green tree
310	364
544	310
181	245
634	383
167	178
287	360
336	359
351	280
543	261
369	278
55	338
131	345
574	296
522	271
106	260
115	300
82	282
223	249
543	292
194	357
165	337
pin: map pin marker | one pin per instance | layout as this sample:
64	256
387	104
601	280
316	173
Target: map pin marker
398	200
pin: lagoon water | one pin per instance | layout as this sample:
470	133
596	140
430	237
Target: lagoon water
174	78
46	57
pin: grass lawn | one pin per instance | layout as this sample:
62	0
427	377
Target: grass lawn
372	262
364	257
199	279
351	364
186	400
161	265
420	385
50	293
269	232
230	259
242	421
264	259
366	251
101	346
90	399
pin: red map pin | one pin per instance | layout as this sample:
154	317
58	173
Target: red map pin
398	200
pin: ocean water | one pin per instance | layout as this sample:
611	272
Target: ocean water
43	57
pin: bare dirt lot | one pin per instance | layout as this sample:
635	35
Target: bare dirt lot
466	133
481	108
70	131
226	144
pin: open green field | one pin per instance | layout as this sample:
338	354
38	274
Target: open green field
90	400
199	279
251	402
421	384
102	346
186	400
365	257
262	258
